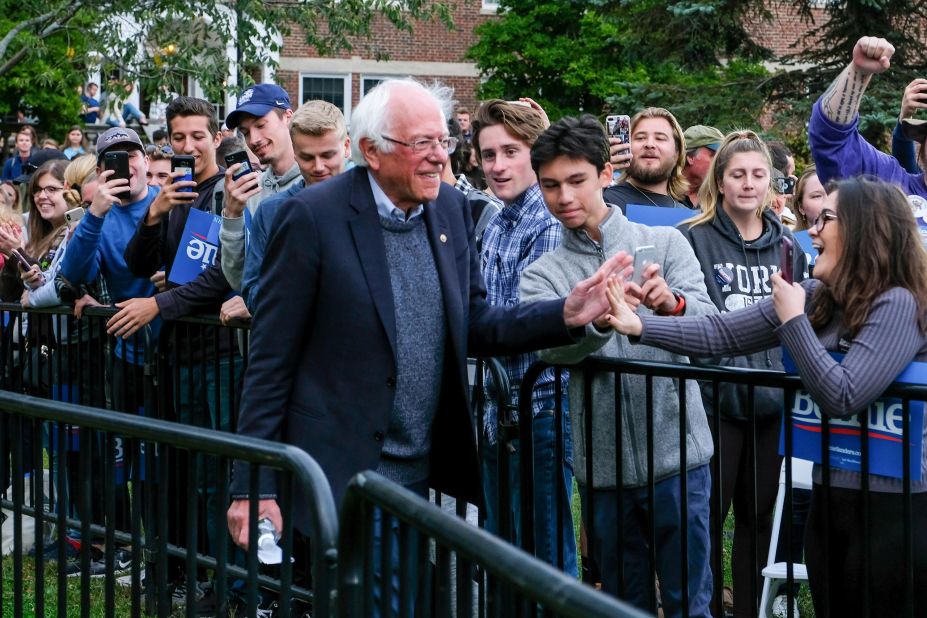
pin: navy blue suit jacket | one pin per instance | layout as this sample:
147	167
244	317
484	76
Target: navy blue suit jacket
322	366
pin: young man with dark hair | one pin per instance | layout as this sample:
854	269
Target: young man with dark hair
503	133
571	161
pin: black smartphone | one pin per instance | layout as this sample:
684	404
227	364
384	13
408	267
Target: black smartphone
239	156
786	258
784	185
185	164
117	161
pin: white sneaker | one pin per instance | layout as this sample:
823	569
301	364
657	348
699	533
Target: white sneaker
780	607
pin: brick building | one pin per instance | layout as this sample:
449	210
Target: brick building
431	53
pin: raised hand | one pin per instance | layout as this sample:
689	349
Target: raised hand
621	316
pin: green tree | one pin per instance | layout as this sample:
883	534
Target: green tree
163	42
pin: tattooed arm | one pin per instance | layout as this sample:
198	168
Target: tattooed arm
871	55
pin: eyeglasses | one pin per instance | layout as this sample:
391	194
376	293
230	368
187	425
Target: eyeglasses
819	223
421	145
50	190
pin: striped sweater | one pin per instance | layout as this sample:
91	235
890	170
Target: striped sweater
889	340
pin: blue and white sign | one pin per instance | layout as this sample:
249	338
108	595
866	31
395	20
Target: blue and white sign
199	245
885	418
656	216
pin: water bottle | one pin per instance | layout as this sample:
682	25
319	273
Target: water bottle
268	552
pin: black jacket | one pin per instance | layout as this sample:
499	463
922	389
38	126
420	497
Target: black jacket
737	275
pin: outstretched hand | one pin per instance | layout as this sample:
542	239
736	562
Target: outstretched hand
621	315
788	298
587	301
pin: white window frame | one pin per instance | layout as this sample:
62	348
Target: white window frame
346	82
489	7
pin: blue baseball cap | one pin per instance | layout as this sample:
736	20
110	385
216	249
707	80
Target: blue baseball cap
257	101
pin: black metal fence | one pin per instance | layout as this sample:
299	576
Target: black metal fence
122	453
492	578
657	378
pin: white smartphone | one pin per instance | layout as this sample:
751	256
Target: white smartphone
644	256
74	215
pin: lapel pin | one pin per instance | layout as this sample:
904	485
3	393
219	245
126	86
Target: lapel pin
443	238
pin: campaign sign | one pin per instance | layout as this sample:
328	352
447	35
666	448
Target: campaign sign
804	241
654	216
198	246
885	429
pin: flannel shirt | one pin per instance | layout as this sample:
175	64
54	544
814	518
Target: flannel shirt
522	232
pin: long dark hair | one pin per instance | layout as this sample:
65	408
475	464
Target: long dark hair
42	233
882	249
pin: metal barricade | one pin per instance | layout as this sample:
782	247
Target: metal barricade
136	454
516	583
712	378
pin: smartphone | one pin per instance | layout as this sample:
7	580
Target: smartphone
117	161
239	157
23	259
185	164
784	185
619	126
74	215
786	255
644	256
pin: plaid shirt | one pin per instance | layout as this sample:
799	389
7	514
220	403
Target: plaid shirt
521	233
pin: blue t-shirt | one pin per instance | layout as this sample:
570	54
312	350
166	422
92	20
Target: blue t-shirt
90	118
98	247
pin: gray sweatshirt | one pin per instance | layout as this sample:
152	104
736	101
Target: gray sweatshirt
888	341
552	276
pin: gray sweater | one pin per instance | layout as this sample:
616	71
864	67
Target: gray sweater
889	340
553	275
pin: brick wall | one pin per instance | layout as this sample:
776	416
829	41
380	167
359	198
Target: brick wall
430	42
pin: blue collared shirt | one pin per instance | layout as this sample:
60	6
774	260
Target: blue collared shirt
385	206
523	231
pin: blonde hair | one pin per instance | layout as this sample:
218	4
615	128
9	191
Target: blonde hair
80	171
709	194
317	118
677	185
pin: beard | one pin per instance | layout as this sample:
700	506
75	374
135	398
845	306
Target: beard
649	175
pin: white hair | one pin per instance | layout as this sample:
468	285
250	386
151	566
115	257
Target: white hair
371	119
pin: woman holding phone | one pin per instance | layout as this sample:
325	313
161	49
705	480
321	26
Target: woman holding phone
30	253
737	239
870	305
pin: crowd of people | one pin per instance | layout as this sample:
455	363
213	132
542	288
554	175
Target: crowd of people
428	235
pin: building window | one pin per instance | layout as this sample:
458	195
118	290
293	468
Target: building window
369	83
336	89
490	6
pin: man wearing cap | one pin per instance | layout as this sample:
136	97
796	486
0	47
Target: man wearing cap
263	118
701	144
98	247
25	145
838	149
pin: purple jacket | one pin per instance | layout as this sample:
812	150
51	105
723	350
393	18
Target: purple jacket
839	151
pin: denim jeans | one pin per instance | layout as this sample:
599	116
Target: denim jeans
638	580
546	496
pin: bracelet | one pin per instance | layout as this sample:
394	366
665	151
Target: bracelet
679	309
